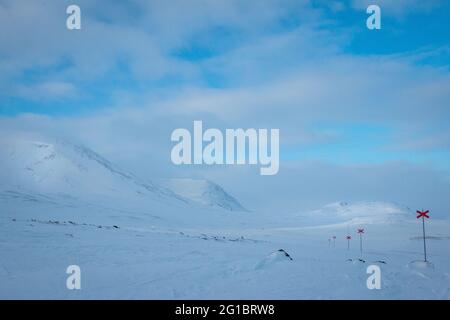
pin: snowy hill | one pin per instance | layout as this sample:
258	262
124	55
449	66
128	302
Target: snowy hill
359	213
63	171
204	192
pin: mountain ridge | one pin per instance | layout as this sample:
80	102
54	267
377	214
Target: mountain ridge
66	169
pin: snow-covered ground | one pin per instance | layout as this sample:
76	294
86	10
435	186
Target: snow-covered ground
64	205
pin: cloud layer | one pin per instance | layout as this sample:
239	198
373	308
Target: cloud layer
353	126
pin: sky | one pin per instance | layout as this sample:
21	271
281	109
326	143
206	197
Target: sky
363	114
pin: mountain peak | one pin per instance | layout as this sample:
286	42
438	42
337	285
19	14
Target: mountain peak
204	192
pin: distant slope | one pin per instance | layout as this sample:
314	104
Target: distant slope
204	192
358	212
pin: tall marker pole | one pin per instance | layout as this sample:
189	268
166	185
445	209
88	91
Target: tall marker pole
424	242
423	214
360	232
348	242
334	241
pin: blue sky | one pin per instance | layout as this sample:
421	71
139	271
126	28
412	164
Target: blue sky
341	95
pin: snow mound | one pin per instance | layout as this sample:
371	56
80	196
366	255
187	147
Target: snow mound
275	257
204	192
420	265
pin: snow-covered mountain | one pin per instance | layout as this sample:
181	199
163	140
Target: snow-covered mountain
204	192
67	171
360	212
62	168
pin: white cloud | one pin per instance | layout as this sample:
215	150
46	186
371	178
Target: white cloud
47	91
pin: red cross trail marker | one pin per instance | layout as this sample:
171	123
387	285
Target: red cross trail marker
423	214
360	232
